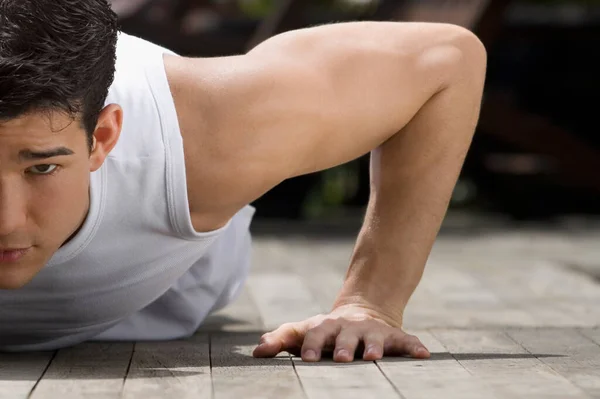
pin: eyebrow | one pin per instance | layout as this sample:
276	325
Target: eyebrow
29	155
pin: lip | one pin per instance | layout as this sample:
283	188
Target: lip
13	255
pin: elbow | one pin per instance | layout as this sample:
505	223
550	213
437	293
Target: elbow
454	53
470	54
471	47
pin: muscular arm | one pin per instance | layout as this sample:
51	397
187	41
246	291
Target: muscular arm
313	99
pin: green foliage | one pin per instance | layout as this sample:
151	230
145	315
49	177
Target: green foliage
256	8
262	8
338	186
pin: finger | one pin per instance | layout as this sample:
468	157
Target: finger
401	343
373	346
317	338
288	337
345	345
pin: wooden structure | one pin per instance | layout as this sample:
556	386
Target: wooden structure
501	312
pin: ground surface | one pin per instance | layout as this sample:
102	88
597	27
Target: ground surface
507	313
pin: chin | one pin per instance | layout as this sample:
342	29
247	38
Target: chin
14	281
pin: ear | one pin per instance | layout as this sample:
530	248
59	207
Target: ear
106	135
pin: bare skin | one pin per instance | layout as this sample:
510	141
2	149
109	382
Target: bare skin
301	102
316	98
43	202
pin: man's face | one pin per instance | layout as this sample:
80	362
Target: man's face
44	198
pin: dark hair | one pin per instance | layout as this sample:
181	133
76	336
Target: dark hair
56	55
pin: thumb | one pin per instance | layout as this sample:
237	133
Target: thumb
287	337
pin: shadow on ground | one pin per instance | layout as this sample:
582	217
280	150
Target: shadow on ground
228	350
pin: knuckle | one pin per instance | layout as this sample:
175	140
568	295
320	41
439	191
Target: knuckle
347	338
412	338
330	323
374	337
315	333
282	328
395	339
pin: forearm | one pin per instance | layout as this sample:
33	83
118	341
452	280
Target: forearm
412	178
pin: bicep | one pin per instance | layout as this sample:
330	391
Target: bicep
323	96
310	100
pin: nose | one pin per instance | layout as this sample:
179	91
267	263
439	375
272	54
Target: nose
13	213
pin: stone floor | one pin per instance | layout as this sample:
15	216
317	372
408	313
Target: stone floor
507	313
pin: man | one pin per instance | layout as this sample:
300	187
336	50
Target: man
125	217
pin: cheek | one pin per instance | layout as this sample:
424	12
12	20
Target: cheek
58	201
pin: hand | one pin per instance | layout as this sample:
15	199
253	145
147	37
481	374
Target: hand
343	331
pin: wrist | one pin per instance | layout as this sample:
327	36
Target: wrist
379	282
379	277
392	315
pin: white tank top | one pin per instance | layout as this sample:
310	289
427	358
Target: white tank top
137	269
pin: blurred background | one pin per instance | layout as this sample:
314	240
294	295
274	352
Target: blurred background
536	154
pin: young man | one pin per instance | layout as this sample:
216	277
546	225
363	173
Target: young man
125	217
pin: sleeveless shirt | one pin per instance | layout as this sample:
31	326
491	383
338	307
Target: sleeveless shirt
137	269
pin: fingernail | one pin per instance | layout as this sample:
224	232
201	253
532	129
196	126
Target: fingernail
310	355
343	353
372	350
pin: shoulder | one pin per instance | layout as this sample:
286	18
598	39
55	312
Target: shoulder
208	109
249	122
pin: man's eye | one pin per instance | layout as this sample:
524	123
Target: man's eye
43	169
